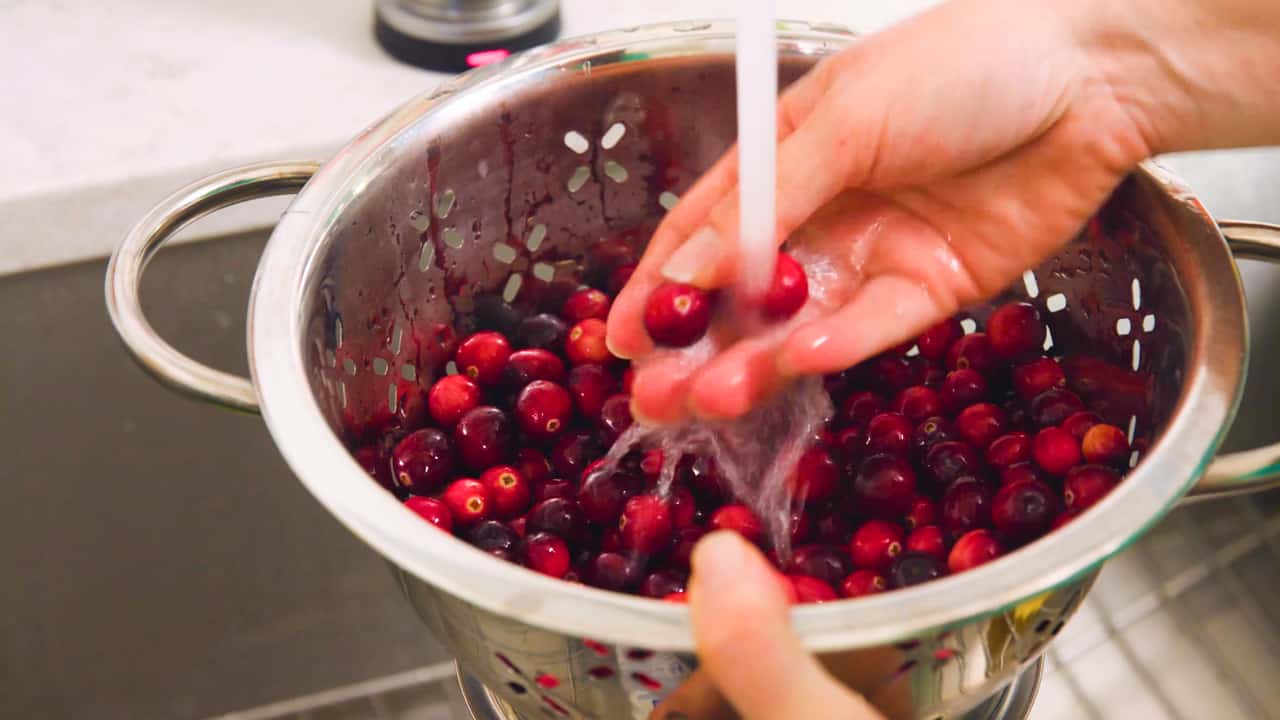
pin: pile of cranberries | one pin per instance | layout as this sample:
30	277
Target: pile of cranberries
943	454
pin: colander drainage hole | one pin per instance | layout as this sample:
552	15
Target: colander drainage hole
639	654
1042	626
646	681
600	672
517	688
505	661
554	705
1057	628
545	680
596	647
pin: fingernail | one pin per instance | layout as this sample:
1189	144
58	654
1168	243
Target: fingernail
717	561
694	257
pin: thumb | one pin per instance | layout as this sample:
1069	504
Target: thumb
745	643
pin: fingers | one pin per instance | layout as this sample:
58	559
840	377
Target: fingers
736	380
659	390
697	698
745	644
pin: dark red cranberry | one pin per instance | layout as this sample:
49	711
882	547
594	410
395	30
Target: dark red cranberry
875	544
558	516
651	463
801	527
422	462
519	525
543	409
934	342
927	539
584	304
509	490
739	519
928	433
571	453
679	598
663	583
603	493
826	562
450	398
923	512
815	476
1086	485
542	331
1016	330
918	402
888	433
1051	407
863	582
492	535
962	388
1020	471
469	501
966	505
973	351
591	385
684	509
645	524
1009	449
1024	510
1105	444
1036	376
898	372
555	488
614	571
619	277
973	549
859	408
586	344
850	444
980	424
374	461
832	526
1079	423
491	312
431	510
483	437
547	554
682	546
611	540
615	416
913	568
884	487
1055	450
677	315
483	357
1063	518
702	475
533	465
811	589
788	291
934	374
949	460
525	366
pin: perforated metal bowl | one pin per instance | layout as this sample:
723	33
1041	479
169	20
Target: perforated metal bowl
498	187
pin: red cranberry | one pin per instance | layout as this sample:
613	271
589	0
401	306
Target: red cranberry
680	598
584	304
611	540
603	493
663	583
928	433
815	476
525	366
1086	485
1036	376
376	464
966	505
825	562
533	466
547	554
884	487
554	489
590	386
702	476
1105	444
1053	406
1055	450
934	342
801	527
973	351
492	536
1079	423
1023	510
1063	518
888	433
542	331
422	462
558	516
509	490
962	388
684	509
973	549
918	402
897	372
1020	471
585	343
483	437
811	589
863	582
543	409
677	315
469	501
739	519
980	424
923	512
832	526
682	546
450	398
934	374
859	408
788	291
519	525
1010	449
913	568
619	277
483	356
613	571
651	463
615	416
875	545
949	460
927	539
645	524
431	510
1016	330
571	453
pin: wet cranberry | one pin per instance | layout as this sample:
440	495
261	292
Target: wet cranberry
875	544
862	582
1010	449
826	562
571	453
962	388
677	315
966	505
898	372
509	490
973	549
554	489
702	475
980	424
682	546
1016	330
1055	450
849	444
815	476
603	493
918	402
1023	510
547	554
801	527
859	408
663	583
450	398
558	516
1020	471
913	568
928	539
533	465
431	510
739	519
934	342
584	304
973	351
1105	444
613	571
1036	376
483	357
543	409
619	277
1063	518
679	598
611	540
923	512
615	416
1086	485
525	366
645	524
884	487
651	463
684	509
888	433
832	526
949	460
542	331
483	437
788	291
519	525
928	433
376	464
585	343
469	501
422	462
811	589
1079	423
590	385
1053	406
492	535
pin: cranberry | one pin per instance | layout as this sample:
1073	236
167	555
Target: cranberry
543	409
591	385
811	589
450	398
603	492
584	304
1055	450
519	525
508	489
1016	330
862	582
533	466
884	487
1020	471
422	462
1053	406
1036	376
651	463
934	342
469	501
973	351
611	540
680	598
788	291
973	549
376	464
962	388
933	376
815	476
677	315
859	408
571	453
825	562
702	476
645	524
1023	510
1104	444
923	512
739	519
684	509
558	516
832	526
483	437
888	433
897	372
431	510
1086	485
542	331
980	424
875	545
525	366
966	505
913	568
949	460
619	277
928	433
918	402
1010	449
927	539
663	583
585	343
547	554
613	571
682	545
492	535
1079	423
483	356
615	416
554	489
801	527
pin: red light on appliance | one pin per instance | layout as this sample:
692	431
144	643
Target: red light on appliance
486	57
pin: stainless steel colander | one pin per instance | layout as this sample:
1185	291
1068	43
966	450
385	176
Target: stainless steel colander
509	184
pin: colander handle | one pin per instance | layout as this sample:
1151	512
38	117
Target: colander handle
124	275
1257	469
